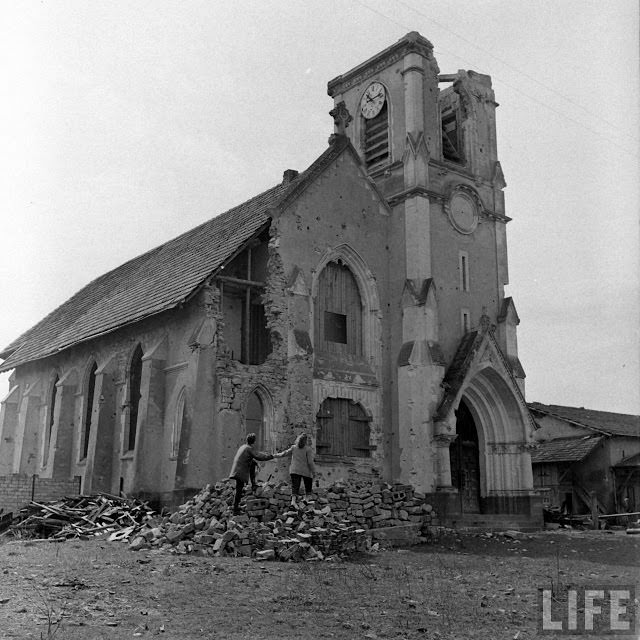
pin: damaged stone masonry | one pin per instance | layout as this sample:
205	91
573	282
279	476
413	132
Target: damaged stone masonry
360	301
336	522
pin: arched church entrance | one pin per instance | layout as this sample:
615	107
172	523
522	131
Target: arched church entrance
464	453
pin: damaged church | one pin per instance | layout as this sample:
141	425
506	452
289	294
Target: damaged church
360	301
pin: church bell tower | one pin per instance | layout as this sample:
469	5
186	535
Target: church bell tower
428	141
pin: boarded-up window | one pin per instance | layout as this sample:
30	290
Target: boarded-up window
135	379
88	410
338	311
343	429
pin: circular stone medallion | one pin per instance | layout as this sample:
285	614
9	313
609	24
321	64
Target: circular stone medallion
462	209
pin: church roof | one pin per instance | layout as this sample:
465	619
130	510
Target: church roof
613	424
565	449
161	278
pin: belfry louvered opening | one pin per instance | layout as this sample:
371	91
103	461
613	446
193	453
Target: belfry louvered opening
376	139
452	148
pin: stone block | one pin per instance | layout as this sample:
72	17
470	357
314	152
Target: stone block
174	535
138	543
203	538
228	536
188	528
218	544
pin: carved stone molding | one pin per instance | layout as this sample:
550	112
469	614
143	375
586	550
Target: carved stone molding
508	448
444	439
411	43
341	117
445	428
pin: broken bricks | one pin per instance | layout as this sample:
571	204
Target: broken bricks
338	521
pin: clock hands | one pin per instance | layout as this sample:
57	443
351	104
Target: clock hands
372	98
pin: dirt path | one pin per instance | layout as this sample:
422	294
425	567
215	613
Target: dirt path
461	587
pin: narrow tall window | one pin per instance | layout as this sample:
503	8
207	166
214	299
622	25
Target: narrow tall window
465	320
50	420
464	271
88	412
338	311
343	429
178	419
135	378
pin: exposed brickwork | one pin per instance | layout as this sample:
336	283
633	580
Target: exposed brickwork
16	490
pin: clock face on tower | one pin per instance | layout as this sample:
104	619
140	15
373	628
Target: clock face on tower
372	100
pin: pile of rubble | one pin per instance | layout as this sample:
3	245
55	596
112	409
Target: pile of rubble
80	517
337	521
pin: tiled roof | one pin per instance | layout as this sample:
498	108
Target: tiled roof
615	424
565	449
629	461
161	278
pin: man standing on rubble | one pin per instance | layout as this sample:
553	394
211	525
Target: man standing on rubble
242	466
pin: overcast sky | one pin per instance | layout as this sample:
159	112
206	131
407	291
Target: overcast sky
124	124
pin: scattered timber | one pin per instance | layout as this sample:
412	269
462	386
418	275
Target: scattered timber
80	517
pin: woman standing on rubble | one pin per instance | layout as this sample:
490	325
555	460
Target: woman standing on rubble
301	468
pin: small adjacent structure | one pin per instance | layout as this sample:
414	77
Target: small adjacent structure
582	452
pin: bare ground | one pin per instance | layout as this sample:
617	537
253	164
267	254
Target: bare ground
460	587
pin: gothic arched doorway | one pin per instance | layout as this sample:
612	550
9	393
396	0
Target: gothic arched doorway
464	454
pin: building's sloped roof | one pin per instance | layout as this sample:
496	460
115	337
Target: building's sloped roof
161	278
565	449
614	424
629	462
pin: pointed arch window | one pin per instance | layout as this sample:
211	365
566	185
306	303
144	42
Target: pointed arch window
51	417
88	412
338	312
343	429
254	419
135	379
